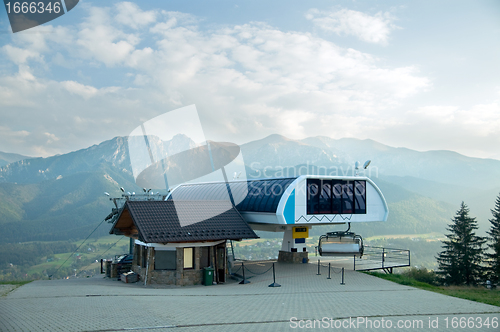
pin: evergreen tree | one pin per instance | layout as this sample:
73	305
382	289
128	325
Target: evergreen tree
493	258
460	262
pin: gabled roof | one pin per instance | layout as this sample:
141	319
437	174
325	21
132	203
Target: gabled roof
158	221
262	195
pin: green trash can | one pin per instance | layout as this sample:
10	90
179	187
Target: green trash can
208	276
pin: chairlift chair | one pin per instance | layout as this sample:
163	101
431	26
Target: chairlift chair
341	243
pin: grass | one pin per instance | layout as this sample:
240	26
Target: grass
60	258
472	293
427	236
17	283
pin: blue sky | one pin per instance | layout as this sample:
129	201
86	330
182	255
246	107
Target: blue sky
419	74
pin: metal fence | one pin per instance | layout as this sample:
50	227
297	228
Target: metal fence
378	258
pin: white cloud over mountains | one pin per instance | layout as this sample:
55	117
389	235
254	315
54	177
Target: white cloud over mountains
248	81
372	29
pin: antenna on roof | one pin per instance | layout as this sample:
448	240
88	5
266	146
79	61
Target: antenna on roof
356	166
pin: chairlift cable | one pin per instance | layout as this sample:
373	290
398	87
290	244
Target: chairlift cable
78	247
105	251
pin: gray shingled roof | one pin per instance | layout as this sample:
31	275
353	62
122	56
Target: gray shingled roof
158	221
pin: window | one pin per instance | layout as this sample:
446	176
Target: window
165	259
336	197
188	258
205	257
360	197
347	198
325	198
313	196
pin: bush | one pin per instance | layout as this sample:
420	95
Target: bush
422	274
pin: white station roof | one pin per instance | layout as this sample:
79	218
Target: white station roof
303	200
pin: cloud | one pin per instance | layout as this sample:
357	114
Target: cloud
130	14
20	56
247	81
84	91
482	120
240	71
43	117
372	29
98	39
473	131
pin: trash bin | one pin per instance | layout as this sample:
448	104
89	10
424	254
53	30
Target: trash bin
208	276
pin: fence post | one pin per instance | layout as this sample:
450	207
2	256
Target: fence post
329	271
244	281
318	269
274	284
342	283
383	257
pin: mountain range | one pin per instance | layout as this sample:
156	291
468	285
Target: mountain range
7	158
61	197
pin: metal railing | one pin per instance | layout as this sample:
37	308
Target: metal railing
378	258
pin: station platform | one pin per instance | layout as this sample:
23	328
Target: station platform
103	304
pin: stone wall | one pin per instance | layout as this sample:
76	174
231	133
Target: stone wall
292	257
179	276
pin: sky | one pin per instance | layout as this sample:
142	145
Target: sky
418	74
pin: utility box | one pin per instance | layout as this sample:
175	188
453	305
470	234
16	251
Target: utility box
129	277
208	276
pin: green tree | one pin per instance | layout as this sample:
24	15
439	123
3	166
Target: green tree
460	262
493	258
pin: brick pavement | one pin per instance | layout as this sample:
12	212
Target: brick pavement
99	304
6	289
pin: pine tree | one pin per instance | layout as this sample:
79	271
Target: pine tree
460	262
493	258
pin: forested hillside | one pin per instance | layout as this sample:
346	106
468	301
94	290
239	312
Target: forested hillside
61	198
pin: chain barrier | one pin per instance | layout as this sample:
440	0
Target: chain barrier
330	268
269	269
236	270
245	281
333	269
274	284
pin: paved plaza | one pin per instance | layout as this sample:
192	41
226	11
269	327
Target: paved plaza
363	303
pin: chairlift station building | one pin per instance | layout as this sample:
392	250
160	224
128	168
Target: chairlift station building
294	205
289	205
